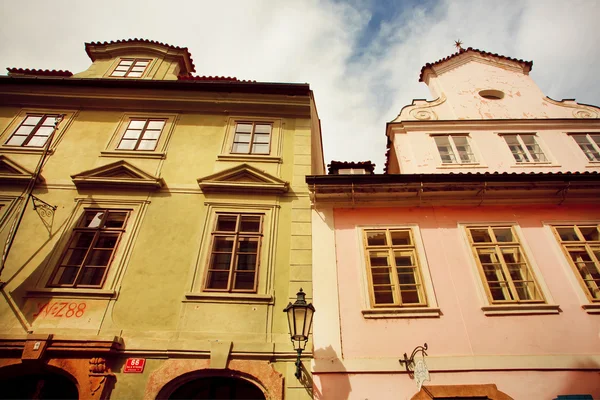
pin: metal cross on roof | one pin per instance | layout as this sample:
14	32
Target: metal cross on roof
458	44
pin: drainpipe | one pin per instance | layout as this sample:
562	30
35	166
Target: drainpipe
28	192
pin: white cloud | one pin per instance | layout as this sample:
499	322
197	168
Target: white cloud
357	92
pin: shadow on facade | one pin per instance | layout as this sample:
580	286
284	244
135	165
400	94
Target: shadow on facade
584	380
330	385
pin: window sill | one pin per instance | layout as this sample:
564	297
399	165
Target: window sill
535	165
24	150
593	308
450	166
405	312
249	157
133	154
231	298
72	293
593	164
521	309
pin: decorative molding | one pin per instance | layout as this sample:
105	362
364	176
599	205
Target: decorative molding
249	158
117	174
520	309
243	178
231	298
592	308
133	154
13	173
404	312
69	293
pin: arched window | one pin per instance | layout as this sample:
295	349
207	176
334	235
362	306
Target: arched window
218	387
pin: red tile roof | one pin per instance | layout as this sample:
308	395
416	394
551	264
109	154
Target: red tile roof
211	78
40	72
136	40
528	64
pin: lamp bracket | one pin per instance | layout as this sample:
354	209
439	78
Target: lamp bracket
410	361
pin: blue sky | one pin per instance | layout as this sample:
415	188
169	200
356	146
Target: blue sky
361	57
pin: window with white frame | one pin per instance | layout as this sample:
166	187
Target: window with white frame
131	67
455	149
581	245
34	131
503	266
525	148
589	143
142	134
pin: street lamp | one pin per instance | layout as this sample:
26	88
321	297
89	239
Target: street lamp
300	316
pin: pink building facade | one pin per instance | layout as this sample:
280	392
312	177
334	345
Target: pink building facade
482	239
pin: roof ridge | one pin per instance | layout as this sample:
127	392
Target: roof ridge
42	72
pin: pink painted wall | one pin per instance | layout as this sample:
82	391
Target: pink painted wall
466	330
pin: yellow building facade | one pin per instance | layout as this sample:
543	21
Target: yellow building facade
169	226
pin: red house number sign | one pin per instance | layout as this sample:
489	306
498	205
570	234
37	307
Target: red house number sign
135	365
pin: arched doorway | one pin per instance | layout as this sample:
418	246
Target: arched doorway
29	382
217	387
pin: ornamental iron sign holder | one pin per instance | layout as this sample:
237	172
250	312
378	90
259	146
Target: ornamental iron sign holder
417	369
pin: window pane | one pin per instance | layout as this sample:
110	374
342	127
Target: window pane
49	121
244	281
244	128
147	145
24	130
136	124
92	219
44	131
141	63
37	141
158	125
381	276
464	149
125	63
590	233
16	140
106	241
118	73
400	238
132	133
223	244
115	219
152	134
383	295
92	276
260	149
74	257
138	69
567	234
248	245
226	223
220	261
515	147
32	120
480	235
99	257
82	239
410	295
376	238
218	279
445	149
135	74
261	138
379	258
240	148
65	276
503	235
260	128
250	223
246	262
127	144
534	149
242	138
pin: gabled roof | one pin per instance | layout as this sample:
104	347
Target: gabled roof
39	72
526	64
90	46
117	174
243	178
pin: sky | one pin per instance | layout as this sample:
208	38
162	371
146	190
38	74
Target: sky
362	58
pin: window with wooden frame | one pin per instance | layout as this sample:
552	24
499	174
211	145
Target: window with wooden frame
252	138
34	131
503	266
235	253
581	245
589	143
141	134
455	149
525	148
131	68
90	250
393	268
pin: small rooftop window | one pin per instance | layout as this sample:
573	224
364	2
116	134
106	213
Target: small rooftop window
491	94
351	168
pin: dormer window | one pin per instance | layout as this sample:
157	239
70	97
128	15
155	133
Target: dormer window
131	68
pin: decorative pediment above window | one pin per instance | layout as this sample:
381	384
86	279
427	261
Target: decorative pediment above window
118	174
243	178
13	173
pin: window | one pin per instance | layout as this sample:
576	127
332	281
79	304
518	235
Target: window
131	67
590	145
34	131
394	271
252	138
525	148
503	267
142	134
352	171
455	150
90	250
581	244
233	261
